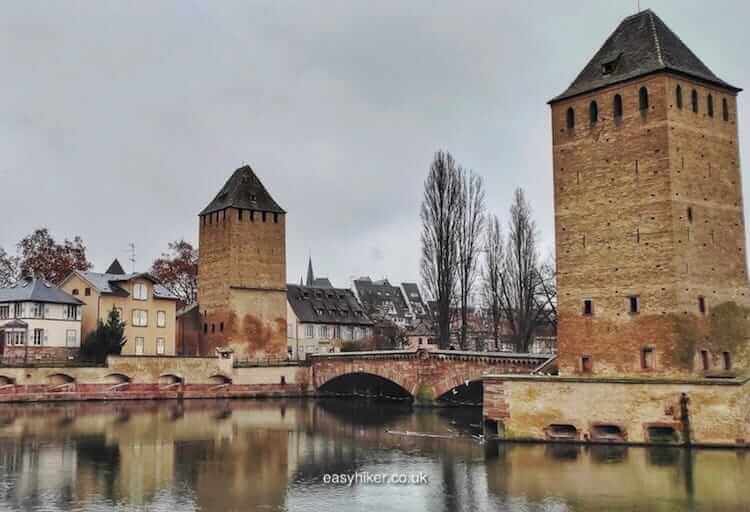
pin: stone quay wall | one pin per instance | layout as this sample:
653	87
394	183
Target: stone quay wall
702	412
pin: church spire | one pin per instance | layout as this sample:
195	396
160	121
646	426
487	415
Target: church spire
310	275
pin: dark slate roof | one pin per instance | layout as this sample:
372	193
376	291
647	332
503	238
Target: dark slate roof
245	191
642	44
326	305
37	290
414	296
322	282
115	268
379	296
107	283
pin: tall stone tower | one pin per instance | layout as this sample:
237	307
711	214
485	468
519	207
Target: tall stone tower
649	218
242	270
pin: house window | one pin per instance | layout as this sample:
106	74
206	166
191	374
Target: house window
587	365
87	292
634	301
705	360
309	331
727	360
694	100
75	291
643	98
140	318
593	112
71	338
678	96
139	345
17	338
4	312
160	345
710	105
724	109
38	337
647	358
17	310
570	121
323	331
71	312
702	305
588	307
617	106
37	310
161	319
140	291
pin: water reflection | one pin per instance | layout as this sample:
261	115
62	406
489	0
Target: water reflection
272	455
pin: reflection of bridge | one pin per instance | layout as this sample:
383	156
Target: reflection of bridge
425	375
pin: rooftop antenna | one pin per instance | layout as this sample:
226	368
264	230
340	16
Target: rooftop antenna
132	256
637	6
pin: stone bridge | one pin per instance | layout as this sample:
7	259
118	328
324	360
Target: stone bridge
425	375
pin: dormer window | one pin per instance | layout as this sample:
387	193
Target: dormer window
609	67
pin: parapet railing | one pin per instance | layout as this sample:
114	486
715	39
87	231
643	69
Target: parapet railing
266	361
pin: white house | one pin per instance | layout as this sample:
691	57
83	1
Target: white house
38	321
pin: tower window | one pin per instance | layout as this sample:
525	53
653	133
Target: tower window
702	305
710	105
275	218
252	215
647	358
263	216
588	307
239	215
724	109
205	328
690	214
593	112
678	96
617	106
694	100
634	302
643	98
570	118
726	358
705	360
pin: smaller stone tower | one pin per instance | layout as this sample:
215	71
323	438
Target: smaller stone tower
242	270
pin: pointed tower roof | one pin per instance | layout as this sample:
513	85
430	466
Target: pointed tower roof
310	275
243	190
642	44
115	268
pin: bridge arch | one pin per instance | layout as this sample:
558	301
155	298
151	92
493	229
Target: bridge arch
378	377
219	378
58	379
169	379
116	378
6	381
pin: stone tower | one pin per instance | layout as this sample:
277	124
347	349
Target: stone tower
242	270
649	224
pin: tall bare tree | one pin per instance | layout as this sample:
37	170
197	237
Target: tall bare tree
440	214
492	274
9	269
520	277
548	291
471	228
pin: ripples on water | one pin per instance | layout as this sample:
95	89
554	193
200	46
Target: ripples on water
272	455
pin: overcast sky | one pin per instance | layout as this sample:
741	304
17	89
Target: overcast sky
120	121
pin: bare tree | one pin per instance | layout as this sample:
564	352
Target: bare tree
492	274
520	277
9	269
440	214
471	228
547	293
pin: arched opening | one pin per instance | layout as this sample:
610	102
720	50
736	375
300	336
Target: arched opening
643	99
116	378
7	381
593	112
710	105
694	100
219	379
662	434
170	379
617	106
59	379
678	96
469	393
724	109
607	433
570	118
561	432
364	385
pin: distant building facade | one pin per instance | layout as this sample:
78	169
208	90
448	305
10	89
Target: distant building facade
38	321
147	308
403	305
322	319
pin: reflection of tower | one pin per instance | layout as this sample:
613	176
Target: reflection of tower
242	271
649	221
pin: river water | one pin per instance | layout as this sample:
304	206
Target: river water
293	455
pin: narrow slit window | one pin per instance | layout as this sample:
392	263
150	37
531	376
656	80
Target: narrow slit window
634	303
593	112
727	360
705	360
678	97
617	106
724	109
588	307
690	214
694	100
702	305
643	98
710	105
570	118
647	358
